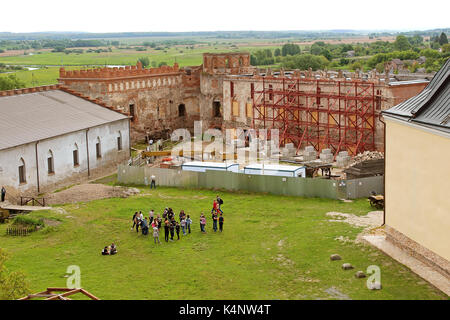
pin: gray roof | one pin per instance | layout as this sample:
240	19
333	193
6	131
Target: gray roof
431	107
35	116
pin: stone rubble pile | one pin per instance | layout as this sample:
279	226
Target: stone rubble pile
366	155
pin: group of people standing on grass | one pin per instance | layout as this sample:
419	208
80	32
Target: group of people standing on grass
172	226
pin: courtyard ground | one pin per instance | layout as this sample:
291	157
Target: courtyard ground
272	247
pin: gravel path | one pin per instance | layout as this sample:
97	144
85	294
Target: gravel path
89	192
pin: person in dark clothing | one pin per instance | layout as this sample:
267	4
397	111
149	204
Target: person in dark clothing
214	218
134	220
221	223
144	226
138	222
3	192
177	226
105	251
172	231
113	249
182	215
166	230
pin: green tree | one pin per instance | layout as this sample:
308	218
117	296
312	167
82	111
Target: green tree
277	52
10	82
401	43
446	48
305	61
443	39
144	61
13	285
290	49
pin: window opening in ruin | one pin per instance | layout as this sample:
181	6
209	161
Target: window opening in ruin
98	150
22	177
181	110
50	166
270	92
75	156
252	90
227	63
378	100
231	89
132	112
119	142
216	109
241	62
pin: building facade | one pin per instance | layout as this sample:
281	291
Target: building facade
417	213
52	138
221	92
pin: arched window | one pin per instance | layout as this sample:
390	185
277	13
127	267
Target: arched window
98	148
76	161
119	141
50	162
22	173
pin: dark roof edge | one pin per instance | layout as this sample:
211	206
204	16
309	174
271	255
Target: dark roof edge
423	125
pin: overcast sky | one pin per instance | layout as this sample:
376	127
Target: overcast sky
213	15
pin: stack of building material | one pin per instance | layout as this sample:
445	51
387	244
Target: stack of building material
326	156
366	168
309	154
288	150
343	159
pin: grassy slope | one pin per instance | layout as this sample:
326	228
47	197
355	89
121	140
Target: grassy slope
238	264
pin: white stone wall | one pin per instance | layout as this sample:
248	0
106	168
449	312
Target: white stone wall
61	148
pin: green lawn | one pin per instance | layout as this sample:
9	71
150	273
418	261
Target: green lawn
246	261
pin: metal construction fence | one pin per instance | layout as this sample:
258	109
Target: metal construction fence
305	187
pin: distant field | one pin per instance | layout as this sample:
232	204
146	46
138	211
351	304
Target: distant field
38	77
182	54
53	60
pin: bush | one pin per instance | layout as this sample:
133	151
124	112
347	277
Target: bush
13	285
28	221
10	82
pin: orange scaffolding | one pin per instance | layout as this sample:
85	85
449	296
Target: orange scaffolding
323	113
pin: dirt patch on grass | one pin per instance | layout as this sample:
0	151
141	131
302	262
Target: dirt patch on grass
51	222
89	192
371	223
371	220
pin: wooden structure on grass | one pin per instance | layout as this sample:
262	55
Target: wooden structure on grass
59	294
